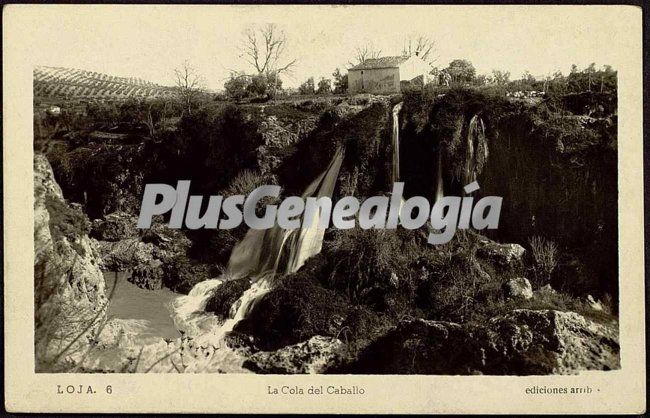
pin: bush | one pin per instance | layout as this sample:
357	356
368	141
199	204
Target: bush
370	264
307	87
324	86
66	221
544	258
237	87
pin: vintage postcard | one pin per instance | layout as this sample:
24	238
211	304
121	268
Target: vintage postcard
326	209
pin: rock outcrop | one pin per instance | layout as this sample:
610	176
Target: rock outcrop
115	226
521	342
125	254
70	296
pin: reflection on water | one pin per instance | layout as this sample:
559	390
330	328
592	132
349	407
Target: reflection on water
148	310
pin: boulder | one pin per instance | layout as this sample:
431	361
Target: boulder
312	356
181	274
158	244
167	243
517	288
506	256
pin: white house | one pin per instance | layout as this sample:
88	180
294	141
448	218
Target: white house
388	74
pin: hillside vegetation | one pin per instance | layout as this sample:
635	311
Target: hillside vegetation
70	83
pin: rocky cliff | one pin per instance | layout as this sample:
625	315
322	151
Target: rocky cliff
70	295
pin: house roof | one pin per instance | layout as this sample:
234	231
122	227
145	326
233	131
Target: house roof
383	62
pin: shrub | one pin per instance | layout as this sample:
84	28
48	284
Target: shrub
245	182
544	258
324	86
237	87
66	221
308	87
369	264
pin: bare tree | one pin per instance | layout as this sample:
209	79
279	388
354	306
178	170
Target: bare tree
265	50
189	85
365	52
422	46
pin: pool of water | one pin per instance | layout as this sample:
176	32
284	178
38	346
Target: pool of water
150	308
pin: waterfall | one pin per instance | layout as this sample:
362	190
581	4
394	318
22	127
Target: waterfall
259	256
395	143
476	150
439	188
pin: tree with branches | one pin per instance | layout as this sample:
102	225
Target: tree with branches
189	85
264	48
365	52
421	46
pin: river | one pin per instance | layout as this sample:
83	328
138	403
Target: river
149	309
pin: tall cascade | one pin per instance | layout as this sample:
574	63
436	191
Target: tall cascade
259	257
395	143
439	188
476	151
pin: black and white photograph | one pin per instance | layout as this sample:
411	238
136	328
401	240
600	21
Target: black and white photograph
535	295
327	190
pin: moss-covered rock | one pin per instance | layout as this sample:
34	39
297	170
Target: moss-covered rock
298	308
222	300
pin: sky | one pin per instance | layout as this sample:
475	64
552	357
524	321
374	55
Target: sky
149	42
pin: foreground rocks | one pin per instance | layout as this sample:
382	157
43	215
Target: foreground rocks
521	342
315	355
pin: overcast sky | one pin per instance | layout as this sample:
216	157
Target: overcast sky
149	42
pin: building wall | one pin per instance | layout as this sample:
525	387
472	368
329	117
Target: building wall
378	80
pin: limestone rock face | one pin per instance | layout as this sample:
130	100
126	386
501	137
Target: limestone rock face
312	356
69	285
518	288
522	342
